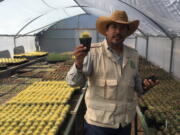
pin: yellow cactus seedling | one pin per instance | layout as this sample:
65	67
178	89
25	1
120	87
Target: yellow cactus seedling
85	35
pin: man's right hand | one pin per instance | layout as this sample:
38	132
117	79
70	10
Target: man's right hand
80	53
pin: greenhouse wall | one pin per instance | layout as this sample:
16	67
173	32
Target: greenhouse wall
28	42
63	36
23	44
7	46
130	42
159	52
176	58
141	46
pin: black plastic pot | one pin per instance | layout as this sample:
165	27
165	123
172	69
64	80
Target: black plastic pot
86	42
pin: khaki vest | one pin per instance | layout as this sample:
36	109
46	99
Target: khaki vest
110	98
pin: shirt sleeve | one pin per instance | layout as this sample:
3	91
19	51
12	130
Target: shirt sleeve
138	81
76	77
138	85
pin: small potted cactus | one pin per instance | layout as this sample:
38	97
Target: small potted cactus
85	40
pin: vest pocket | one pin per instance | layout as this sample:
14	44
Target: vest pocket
102	114
106	89
99	87
111	90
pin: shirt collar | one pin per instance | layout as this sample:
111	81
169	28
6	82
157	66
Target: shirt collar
112	54
111	50
119	59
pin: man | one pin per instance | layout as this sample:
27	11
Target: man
111	70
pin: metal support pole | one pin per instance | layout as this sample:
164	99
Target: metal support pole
136	42
147	47
136	125
171	57
142	120
14	38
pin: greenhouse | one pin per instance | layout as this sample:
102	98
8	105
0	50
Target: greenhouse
40	60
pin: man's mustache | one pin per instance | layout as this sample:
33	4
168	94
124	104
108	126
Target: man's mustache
118	36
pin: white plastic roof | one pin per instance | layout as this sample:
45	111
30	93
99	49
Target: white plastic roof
34	15
157	17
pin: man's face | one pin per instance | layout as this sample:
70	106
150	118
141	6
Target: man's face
116	33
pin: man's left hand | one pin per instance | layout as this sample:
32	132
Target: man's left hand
148	83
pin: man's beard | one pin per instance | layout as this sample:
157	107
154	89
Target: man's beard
120	38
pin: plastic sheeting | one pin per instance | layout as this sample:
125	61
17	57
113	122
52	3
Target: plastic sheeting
176	58
64	36
159	52
164	12
157	17
27	43
34	15
141	46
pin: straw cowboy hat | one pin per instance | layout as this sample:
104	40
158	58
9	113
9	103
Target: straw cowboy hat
118	17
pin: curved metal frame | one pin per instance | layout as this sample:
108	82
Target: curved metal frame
141	32
27	25
41	16
48	4
42	27
80	6
34	18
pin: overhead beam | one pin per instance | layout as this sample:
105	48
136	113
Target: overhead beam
16	35
80	6
48	4
142	32
42	27
24	27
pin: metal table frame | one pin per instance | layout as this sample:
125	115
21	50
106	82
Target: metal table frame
10	71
